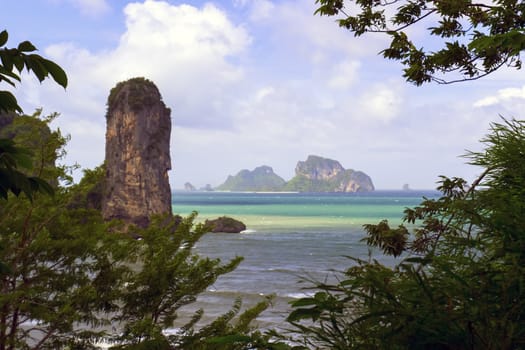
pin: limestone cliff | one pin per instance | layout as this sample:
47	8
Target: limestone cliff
137	153
318	168
318	174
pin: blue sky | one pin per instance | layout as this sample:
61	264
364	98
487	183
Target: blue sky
256	82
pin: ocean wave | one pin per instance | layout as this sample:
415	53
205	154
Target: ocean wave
300	295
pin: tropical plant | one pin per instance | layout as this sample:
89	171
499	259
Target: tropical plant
12	157
55	261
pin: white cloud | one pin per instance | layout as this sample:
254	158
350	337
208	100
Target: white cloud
344	74
183	49
262	9
292	25
502	96
380	103
264	92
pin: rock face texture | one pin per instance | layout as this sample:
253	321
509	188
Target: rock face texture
260	179
318	174
137	153
317	168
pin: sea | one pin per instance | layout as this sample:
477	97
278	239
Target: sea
290	240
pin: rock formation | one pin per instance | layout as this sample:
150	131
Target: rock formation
317	168
318	174
207	188
260	179
225	224
189	187
137	153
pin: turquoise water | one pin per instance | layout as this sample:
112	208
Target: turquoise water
285	211
289	236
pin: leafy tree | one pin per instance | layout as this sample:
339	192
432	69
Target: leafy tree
460	282
56	265
12	157
468	39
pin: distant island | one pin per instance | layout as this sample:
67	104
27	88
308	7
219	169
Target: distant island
316	174
189	187
261	179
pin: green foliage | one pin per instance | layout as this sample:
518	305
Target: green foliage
12	157
33	133
475	38
227	333
166	276
15	60
90	192
55	262
11	179
301	183
460	284
138	93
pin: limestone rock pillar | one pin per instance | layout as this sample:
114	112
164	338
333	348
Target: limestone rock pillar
137	153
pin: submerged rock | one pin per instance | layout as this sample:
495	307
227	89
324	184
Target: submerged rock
225	224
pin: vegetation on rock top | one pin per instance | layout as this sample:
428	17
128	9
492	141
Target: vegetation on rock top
138	93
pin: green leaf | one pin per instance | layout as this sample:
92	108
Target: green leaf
7	61
419	260
56	72
304	302
19	63
301	314
8	102
3	38
229	339
26	46
8	72
42	185
35	64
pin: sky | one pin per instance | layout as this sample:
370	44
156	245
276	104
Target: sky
255	82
